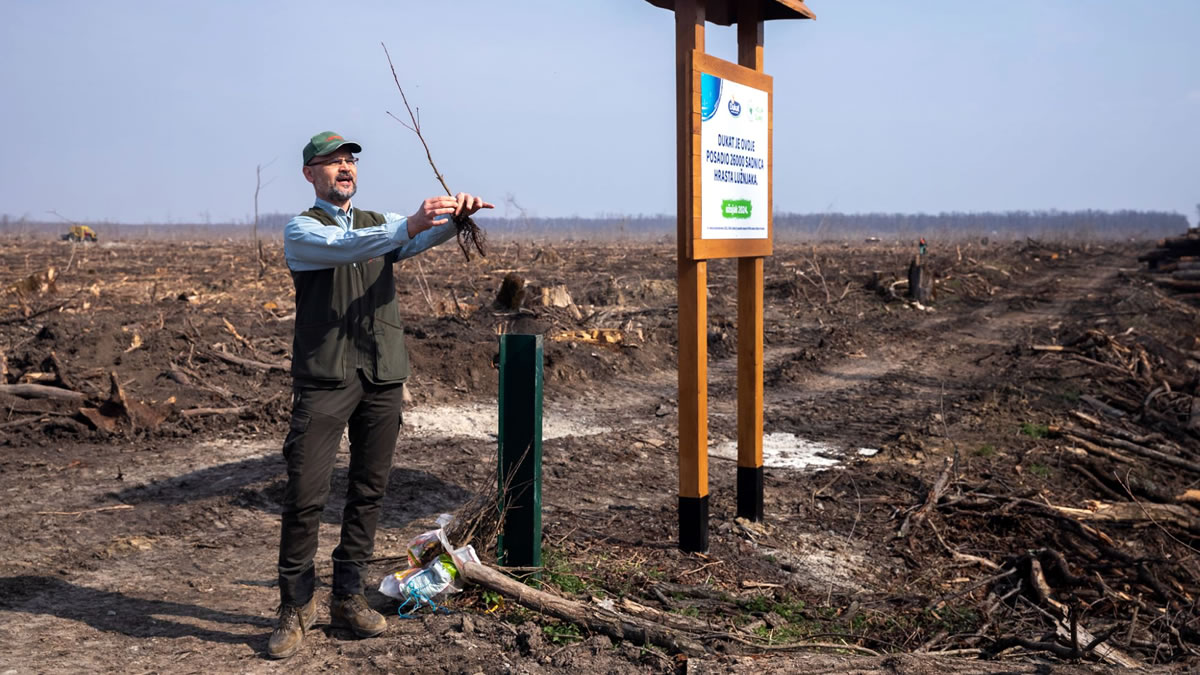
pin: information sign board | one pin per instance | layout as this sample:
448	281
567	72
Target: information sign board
731	163
734	150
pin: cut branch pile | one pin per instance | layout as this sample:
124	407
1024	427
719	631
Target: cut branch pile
1140	380
1111	575
73	357
1175	264
1137	606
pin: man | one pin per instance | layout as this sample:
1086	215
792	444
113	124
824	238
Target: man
348	366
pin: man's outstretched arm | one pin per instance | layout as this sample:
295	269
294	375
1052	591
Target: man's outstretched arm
310	245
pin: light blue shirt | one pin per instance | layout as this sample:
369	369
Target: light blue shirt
310	245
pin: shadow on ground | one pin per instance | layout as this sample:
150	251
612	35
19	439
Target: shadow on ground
258	483
112	612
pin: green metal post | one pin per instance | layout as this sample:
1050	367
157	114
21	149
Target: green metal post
520	451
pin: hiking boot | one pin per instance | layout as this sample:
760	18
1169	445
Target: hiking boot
294	622
353	612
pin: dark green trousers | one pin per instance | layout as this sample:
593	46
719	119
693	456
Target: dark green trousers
318	418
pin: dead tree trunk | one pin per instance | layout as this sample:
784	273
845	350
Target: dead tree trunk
592	618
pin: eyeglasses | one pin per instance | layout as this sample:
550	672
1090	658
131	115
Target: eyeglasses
343	161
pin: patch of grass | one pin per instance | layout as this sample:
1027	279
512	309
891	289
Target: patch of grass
986	450
559	573
793	610
1035	430
758	603
1040	470
790	609
911	627
900	628
562	633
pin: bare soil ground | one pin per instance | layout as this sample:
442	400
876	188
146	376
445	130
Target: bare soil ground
1035	433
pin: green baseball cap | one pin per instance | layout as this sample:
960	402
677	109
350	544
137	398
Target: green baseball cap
325	143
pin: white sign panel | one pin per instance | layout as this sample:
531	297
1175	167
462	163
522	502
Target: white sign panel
734	143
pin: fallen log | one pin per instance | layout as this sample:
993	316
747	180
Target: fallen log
41	391
1134	448
598	619
1101	451
935	493
1049	348
202	412
250	363
673	621
1118	432
1133	512
1107	366
699	592
1191	286
1102	406
1180	244
27	420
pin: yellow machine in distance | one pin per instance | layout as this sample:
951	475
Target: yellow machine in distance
80	233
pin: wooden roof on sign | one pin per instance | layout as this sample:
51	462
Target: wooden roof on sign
724	12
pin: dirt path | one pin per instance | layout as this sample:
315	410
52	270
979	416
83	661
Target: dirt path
910	377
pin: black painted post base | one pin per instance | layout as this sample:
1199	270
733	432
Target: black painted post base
750	493
693	524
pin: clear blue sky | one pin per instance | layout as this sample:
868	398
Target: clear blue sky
159	111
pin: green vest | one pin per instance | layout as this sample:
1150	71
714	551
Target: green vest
347	318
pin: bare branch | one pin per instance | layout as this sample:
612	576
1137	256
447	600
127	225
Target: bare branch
470	235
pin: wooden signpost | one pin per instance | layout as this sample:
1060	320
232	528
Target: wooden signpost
723	140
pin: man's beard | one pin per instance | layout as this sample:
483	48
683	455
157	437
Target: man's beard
336	194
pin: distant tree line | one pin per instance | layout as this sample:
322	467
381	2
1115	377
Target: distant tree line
1088	224
999	226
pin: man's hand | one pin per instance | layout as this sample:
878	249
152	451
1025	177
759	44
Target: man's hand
468	204
437	211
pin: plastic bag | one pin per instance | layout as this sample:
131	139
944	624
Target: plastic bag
421	584
428	545
432	572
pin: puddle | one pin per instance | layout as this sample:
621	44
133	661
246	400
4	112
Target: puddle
789	451
481	422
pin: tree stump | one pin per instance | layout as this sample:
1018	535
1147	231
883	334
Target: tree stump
875	283
512	292
920	282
